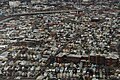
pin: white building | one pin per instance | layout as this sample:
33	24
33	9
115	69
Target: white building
85	0
38	1
14	3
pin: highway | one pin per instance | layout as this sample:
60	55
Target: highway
44	12
9	17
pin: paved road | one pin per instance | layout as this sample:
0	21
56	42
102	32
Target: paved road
44	12
9	17
4	19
